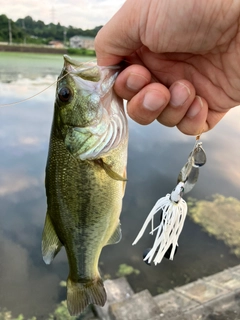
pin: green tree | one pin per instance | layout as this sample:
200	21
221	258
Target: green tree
38	31
3	28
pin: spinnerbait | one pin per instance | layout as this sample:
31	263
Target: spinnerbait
172	210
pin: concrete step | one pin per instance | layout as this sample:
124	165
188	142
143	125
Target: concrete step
201	298
172	316
117	290
173	306
174	302
88	314
217	295
141	306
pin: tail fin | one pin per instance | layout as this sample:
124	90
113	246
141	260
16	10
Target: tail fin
79	295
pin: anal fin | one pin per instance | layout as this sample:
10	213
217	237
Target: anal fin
51	245
116	236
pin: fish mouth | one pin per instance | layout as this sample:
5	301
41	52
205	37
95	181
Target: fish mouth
71	61
78	65
89	64
87	70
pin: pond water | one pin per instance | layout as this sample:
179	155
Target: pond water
156	154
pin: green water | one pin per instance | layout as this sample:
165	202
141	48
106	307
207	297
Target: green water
31	65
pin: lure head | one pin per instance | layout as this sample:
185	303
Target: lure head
177	192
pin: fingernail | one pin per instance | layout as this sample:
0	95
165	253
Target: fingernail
195	107
135	82
179	94
153	101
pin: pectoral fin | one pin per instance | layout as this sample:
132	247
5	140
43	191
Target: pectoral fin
51	245
112	174
116	236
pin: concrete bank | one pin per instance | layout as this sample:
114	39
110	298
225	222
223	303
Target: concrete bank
216	297
21	48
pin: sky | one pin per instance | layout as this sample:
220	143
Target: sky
85	14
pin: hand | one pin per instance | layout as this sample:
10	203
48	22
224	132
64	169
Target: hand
184	60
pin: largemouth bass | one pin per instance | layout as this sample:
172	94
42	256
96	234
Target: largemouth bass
85	176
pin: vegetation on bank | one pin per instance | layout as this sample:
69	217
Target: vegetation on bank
126	270
220	218
60	313
81	52
29	31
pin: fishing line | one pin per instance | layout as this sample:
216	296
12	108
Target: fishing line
20	101
33	96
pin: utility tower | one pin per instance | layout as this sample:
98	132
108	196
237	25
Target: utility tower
10	31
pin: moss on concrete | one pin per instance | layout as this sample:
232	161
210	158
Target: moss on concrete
125	270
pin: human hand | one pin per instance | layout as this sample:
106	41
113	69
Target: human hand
184	60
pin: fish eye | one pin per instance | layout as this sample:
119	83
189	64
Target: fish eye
65	94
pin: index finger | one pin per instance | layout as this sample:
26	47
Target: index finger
120	36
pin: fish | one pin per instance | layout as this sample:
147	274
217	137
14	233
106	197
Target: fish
85	176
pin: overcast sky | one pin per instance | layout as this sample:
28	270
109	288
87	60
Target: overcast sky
85	14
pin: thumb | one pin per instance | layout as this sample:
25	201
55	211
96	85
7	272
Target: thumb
120	36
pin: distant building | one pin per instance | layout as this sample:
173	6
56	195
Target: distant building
82	42
56	44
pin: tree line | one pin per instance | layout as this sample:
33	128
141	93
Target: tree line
27	30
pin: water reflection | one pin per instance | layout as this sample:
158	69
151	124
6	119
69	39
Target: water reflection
24	141
24	286
156	154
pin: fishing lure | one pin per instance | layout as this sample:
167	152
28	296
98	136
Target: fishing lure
172	210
